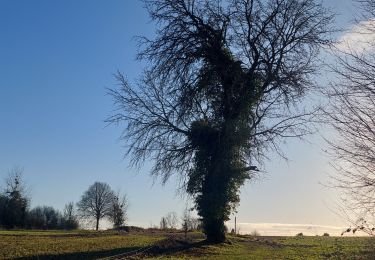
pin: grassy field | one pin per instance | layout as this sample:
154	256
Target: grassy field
93	245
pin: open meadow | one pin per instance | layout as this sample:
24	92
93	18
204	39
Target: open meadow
153	244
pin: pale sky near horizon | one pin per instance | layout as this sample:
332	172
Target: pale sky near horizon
56	60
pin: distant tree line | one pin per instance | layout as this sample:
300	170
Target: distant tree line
45	217
188	222
15	209
98	202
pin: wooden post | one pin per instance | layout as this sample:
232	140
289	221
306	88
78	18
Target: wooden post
235	225
185	229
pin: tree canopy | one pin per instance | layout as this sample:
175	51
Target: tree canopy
97	202
222	88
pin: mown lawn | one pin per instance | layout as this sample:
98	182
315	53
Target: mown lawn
93	245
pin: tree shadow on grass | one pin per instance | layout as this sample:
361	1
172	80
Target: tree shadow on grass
85	255
165	247
173	246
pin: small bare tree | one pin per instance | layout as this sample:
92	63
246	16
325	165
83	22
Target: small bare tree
118	212
169	221
96	202
15	200
69	217
172	220
14	182
163	223
190	222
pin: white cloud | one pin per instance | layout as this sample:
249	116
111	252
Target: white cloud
360	38
279	229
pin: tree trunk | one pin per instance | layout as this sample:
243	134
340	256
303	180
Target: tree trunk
214	208
219	180
214	230
97	223
220	189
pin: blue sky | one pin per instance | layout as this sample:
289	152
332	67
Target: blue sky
57	58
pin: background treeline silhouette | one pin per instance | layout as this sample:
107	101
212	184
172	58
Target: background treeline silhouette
15	209
98	202
15	213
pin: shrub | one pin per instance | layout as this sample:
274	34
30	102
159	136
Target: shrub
255	233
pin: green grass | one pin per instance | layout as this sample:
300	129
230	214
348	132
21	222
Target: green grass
69	245
92	245
282	248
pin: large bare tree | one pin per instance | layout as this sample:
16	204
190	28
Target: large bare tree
352	116
222	88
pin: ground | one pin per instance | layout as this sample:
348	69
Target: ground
153	244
